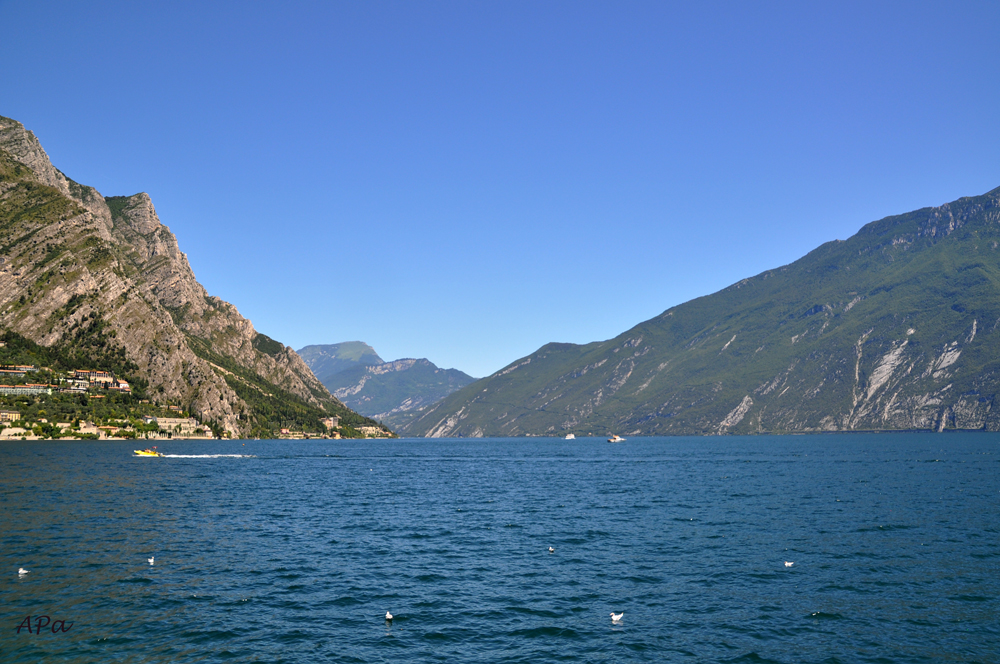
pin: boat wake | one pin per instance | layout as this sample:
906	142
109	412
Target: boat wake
208	456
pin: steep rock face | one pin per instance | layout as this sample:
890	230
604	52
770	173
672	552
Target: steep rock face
168	278
70	255
896	328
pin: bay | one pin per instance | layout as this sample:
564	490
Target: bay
292	551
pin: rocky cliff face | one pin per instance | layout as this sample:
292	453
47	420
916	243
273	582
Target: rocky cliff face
896	328
69	255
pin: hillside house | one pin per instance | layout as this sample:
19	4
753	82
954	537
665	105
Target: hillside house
182	427
17	390
93	376
372	432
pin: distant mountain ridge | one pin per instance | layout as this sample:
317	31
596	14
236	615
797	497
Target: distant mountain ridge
75	264
896	328
391	392
328	359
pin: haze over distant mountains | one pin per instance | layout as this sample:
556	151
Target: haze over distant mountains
897	327
392	392
328	359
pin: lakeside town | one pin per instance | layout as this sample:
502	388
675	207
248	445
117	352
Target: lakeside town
95	404
29	423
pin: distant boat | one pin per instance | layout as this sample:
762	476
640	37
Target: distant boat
570	436
616	439
148	452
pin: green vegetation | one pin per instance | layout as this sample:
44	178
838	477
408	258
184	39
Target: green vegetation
91	345
326	360
115	409
272	408
895	328
267	345
117	205
26	202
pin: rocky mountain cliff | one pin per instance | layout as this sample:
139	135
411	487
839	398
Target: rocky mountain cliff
391	392
896	328
70	257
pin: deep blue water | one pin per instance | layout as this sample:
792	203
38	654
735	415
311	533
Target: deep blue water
295	553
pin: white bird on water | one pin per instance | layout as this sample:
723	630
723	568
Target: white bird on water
151	560
21	571
788	564
617	617
551	550
388	616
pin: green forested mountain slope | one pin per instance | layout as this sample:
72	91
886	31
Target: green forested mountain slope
86	273
894	328
328	359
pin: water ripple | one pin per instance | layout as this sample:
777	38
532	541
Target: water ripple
294	551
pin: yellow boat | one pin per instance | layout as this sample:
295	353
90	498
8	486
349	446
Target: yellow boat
147	452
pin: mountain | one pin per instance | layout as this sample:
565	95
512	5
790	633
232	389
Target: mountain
895	328
395	392
390	392
328	359
85	272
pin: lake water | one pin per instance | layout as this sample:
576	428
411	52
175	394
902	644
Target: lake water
293	551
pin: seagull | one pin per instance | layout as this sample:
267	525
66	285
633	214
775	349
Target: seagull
388	616
617	617
788	564
551	550
21	571
151	560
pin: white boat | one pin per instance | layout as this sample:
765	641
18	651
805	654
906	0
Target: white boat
570	436
616	439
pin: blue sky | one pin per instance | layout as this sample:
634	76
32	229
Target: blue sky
466	181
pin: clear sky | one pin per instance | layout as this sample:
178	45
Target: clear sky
466	181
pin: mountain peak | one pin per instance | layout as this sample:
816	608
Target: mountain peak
328	359
25	147
136	210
